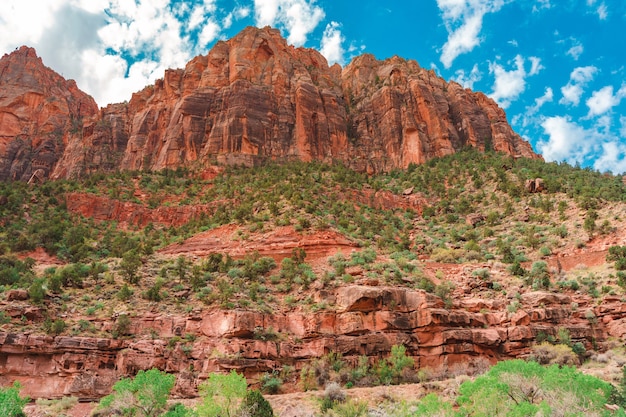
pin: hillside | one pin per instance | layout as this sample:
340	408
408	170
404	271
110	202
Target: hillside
266	270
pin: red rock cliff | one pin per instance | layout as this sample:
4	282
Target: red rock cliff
39	112
255	97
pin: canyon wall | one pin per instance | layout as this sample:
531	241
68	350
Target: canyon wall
363	320
252	98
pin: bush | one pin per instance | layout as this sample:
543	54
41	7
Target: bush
270	383
11	404
143	396
255	405
221	394
520	388
548	354
121	326
333	395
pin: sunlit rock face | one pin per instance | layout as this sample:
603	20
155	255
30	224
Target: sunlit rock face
251	98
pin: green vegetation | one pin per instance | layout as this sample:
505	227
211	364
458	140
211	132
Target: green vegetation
471	208
11	404
143	396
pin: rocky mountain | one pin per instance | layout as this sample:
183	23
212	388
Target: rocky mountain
40	112
251	98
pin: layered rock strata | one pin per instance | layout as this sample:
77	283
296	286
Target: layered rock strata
252	98
361	320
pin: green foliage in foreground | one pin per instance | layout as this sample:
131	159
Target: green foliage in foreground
520	388
143	396
146	395
221	394
11	404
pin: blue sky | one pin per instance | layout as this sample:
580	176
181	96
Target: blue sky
556	66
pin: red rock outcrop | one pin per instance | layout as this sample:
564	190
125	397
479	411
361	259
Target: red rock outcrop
251	98
39	112
133	214
362	321
277	243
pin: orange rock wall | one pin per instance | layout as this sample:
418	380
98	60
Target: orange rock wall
251	98
364	321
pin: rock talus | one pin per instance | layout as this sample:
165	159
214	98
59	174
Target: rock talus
252	98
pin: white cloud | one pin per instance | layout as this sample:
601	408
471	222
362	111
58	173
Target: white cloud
622	129
530	116
508	85
463	20
567	141
595	146
573	91
241	12
536	66
612	158
209	33
298	17
601	10
331	44
547	97
603	100
468	80
541	4
575	51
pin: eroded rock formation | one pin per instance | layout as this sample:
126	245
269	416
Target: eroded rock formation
251	98
40	112
364	320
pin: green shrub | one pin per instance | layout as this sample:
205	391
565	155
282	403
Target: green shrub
11	404
124	293
520	388
221	394
121	326
143	396
54	327
270	383
255	405
433	406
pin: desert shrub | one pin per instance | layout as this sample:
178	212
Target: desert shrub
333	395
617	254
57	407
143	396
131	261
12	270
36	291
548	354
482	273
539	277
445	255
270	383
124	293
520	388
350	408
179	410
433	406
221	394
54	327
392	369
121	326
154	293
255	405
11	404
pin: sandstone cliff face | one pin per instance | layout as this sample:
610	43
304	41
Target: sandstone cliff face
39	112
366	321
251	98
